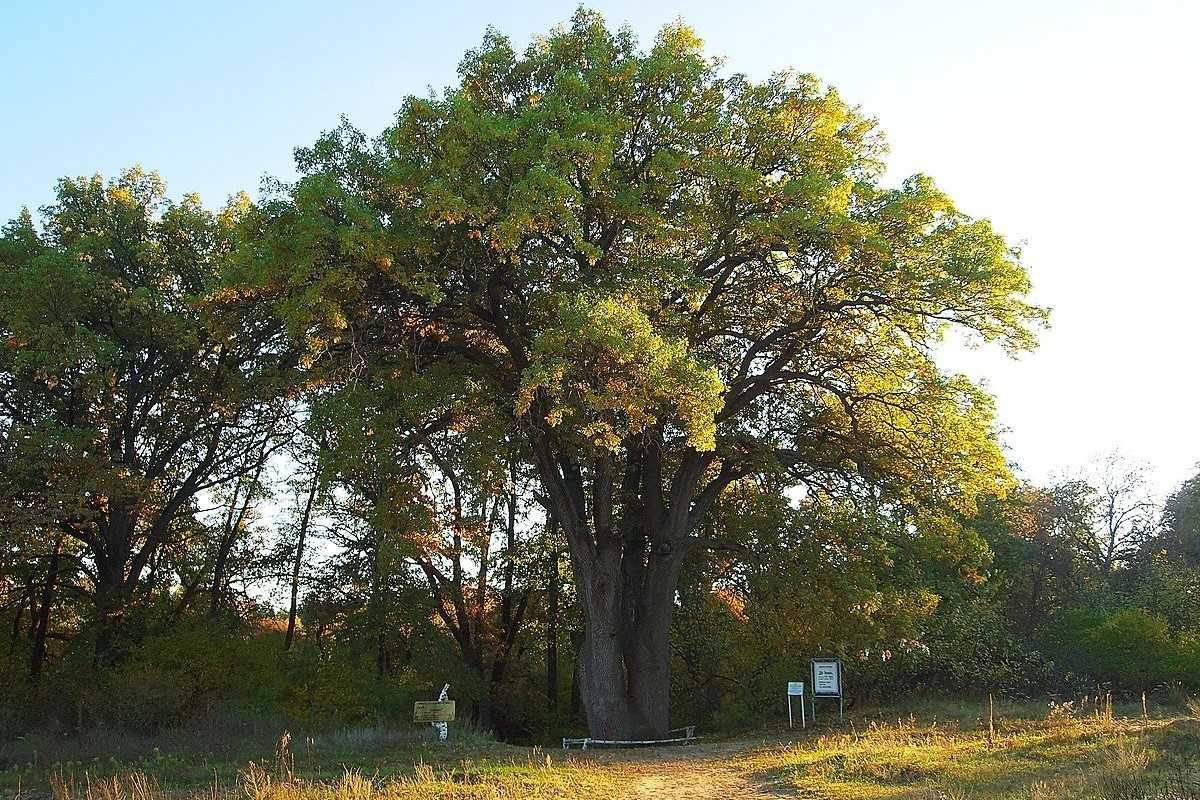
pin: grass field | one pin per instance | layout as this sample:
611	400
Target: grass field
929	752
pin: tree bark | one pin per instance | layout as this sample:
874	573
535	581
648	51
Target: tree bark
649	657
38	657
298	561
552	589
112	641
625	666
627	539
112	600
602	676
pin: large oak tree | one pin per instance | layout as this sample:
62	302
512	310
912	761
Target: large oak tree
669	278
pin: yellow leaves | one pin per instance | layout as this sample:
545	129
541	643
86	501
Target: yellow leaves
733	602
120	196
239	208
681	39
837	201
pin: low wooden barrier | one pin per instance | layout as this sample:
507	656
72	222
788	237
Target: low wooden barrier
689	736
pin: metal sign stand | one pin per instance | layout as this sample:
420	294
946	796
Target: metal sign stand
827	682
796	689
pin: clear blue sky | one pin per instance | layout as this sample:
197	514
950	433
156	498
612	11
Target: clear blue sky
1072	124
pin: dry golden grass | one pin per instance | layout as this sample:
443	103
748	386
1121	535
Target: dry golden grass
950	755
1061	756
256	783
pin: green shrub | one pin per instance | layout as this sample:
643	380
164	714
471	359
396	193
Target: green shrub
1129	649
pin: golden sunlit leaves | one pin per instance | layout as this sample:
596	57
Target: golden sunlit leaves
607	370
617	242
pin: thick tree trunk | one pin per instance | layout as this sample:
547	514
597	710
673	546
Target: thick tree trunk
112	634
602	680
648	656
624	666
118	571
627	527
624	663
643	631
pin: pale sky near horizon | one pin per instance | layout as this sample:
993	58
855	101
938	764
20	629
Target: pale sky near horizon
1073	125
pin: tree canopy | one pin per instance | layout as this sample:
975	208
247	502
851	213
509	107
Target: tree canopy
605	374
124	399
668	279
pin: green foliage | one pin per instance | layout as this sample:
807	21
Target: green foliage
1131	649
124	398
614	237
176	676
598	302
822	581
1181	523
661	279
969	647
608	375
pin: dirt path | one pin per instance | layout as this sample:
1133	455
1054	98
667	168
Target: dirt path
697	772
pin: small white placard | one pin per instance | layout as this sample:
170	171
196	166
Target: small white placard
796	688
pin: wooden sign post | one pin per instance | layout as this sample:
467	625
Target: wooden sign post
438	712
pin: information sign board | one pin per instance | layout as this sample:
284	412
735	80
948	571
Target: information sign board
796	689
827	682
827	677
433	711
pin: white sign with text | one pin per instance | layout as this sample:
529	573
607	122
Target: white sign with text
827	682
827	678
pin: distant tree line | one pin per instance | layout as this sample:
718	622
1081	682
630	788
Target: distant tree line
602	386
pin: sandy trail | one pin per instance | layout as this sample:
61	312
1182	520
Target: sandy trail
696	772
